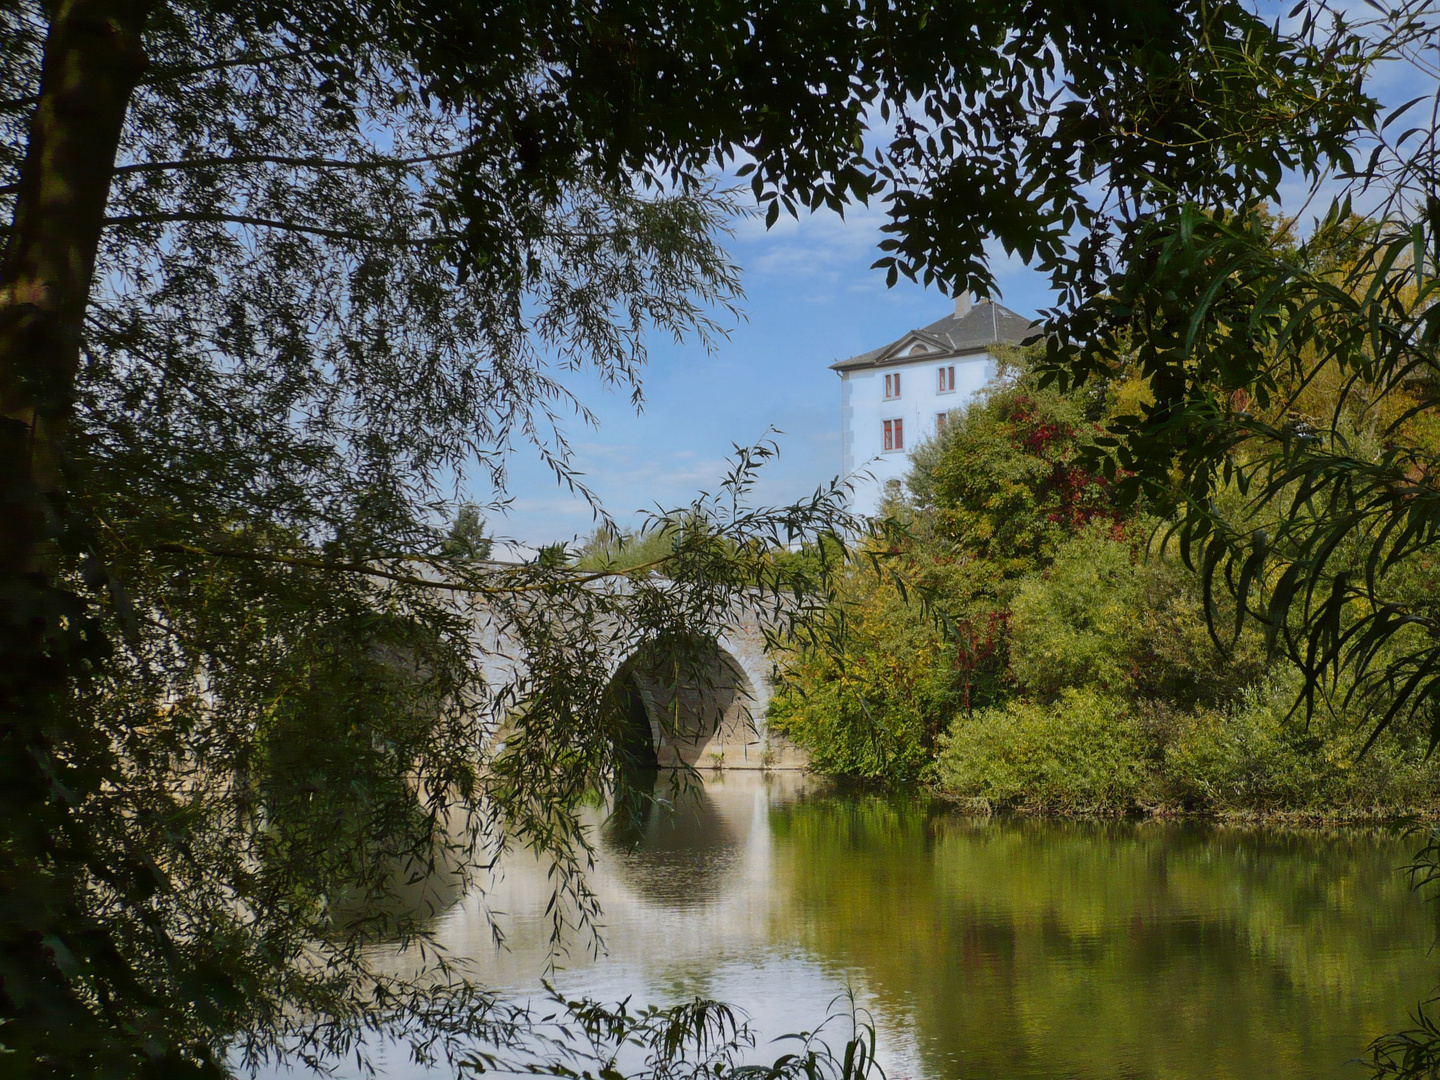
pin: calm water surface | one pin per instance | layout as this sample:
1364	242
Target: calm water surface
994	948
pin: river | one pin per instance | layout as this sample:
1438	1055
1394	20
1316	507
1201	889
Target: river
992	948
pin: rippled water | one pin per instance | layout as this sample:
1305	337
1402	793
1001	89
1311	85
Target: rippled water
995	948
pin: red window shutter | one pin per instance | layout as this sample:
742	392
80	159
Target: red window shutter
899	434
889	436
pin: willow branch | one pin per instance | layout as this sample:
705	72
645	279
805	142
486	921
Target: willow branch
370	570
278	159
161	74
283	226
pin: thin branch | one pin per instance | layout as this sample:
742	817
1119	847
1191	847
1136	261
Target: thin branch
370	570
162	74
277	159
284	226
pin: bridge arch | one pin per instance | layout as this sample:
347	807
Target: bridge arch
734	701
699	702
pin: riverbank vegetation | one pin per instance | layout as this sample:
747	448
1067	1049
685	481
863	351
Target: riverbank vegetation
1036	637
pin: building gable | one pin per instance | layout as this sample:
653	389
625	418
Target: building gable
977	329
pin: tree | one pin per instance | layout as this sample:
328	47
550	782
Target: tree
467	540
1298	375
272	272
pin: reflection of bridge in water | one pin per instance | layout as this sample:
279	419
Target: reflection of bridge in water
708	713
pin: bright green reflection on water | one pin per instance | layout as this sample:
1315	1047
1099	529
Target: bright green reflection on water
1105	949
991	949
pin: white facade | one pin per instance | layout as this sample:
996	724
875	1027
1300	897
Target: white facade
895	397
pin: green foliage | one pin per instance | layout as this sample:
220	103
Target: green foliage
815	558
1086	752
875	714
922	631
1258	756
466	541
1008	485
611	549
1083	753
1111	614
1297	370
1069	653
1072	625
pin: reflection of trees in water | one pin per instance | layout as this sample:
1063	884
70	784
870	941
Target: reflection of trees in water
674	847
1097	949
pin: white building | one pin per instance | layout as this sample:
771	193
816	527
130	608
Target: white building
894	397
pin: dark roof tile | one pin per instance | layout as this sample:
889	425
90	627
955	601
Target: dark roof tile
986	323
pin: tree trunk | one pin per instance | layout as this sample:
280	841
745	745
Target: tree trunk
93	60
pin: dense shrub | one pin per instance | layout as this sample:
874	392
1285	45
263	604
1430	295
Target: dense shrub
1084	752
1111	615
1087	752
874	711
1258	756
845	734
1075	623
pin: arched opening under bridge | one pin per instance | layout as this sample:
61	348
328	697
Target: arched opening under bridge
687	701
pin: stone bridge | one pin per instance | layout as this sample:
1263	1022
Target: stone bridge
712	718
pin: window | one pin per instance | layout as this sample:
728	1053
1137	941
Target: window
941	419
894	434
947	380
892	385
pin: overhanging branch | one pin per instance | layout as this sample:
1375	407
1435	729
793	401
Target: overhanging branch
280	159
371	570
283	226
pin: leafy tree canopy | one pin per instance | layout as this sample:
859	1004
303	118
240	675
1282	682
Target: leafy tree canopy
467	540
1294	363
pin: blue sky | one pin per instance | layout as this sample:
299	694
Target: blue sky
811	299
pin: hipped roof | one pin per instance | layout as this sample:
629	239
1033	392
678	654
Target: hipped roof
985	324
